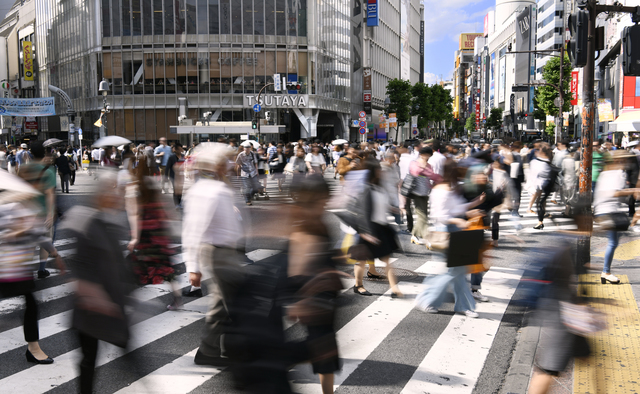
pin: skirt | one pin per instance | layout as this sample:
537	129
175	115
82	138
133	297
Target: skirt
388	242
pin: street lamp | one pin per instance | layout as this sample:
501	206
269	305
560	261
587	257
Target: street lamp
103	89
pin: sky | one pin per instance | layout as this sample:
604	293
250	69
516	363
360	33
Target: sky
444	21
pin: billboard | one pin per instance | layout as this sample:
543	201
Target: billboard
27	107
373	18
27	52
467	40
492	80
405	47
575	75
523	43
489	23
502	84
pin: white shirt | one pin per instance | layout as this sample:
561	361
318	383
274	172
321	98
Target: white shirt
209	218
608	183
405	162
315	160
437	162
95	154
446	205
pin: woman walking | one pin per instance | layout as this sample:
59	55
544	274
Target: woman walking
544	183
422	171
276	166
315	161
449	211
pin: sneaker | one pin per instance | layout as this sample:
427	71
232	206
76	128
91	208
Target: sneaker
471	314
163	192
43	274
429	309
636	229
479	297
416	240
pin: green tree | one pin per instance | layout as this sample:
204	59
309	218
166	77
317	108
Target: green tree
471	122
399	93
495	118
442	104
545	95
551	130
422	104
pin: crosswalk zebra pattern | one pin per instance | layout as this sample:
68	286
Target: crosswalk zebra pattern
430	353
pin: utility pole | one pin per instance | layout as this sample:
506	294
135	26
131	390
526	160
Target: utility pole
560	93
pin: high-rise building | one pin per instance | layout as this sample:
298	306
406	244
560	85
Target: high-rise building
550	28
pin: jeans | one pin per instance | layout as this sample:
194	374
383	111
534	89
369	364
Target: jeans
476	281
250	186
613	238
436	289
64	182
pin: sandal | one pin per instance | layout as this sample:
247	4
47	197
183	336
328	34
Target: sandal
372	276
364	293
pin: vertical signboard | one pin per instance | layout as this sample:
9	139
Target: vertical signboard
523	44
27	60
492	79
478	111
575	75
422	51
373	18
502	85
405	47
366	88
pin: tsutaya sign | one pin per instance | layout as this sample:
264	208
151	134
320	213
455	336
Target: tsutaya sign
278	100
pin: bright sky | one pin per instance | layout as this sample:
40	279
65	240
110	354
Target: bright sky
444	21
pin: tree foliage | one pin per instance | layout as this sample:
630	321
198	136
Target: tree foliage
399	93
495	118
422	104
545	95
550	130
471	122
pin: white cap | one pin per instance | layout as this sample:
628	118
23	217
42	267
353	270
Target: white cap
24	146
210	155
246	144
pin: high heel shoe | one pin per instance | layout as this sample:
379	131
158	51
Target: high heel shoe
539	226
609	278
32	359
416	240
372	276
364	293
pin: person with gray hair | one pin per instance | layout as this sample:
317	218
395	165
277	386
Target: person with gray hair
211	233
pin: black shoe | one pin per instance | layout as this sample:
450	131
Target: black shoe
408	232
202	359
34	360
192	293
538	227
43	274
372	276
364	293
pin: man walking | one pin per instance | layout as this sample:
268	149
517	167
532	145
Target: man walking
162	153
210	235
248	170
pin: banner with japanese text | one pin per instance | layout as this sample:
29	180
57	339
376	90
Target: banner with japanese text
27	52
27	107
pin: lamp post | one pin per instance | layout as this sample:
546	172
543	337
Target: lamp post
103	89
387	103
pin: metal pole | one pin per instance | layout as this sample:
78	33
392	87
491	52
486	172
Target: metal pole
588	119
258	102
560	94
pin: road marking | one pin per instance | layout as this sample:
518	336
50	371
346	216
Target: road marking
455	360
625	251
180	376
41	378
432	268
363	334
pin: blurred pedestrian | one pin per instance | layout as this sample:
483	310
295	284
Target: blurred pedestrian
175	173
247	169
74	164
276	166
316	163
421	170
162	153
545	181
63	164
211	235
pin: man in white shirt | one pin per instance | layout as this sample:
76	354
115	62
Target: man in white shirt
211	232
438	160
558	158
405	202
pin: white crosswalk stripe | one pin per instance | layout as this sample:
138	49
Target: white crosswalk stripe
180	375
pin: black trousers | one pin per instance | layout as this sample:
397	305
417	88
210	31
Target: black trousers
30	319
517	193
89	346
632	205
495	226
541	205
407	208
73	177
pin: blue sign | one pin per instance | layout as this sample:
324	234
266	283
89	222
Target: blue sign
292	78
79	131
27	107
363	123
257	108
363	130
372	13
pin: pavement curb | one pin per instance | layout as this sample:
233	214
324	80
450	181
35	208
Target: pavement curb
519	374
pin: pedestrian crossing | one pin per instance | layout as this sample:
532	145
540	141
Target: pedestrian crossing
371	332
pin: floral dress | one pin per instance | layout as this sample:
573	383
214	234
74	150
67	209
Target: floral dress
152	263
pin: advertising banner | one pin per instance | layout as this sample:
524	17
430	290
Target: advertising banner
405	47
502	85
31	123
478	112
575	75
492	80
373	18
366	79
523	44
467	40
27	52
605	112
27	107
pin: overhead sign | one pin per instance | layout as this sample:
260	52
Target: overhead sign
257	108
367	97
278	100
27	56
373	18
363	130
27	107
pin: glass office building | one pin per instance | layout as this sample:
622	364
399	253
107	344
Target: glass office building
218	54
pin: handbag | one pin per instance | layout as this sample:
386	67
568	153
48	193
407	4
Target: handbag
581	319
615	221
439	240
408	185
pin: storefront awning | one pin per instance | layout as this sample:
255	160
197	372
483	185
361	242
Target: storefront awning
627	121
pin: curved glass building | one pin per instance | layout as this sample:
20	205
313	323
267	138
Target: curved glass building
216	54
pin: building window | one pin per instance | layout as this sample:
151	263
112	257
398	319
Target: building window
258	17
147	16
203	26
247	20
106	19
214	26
168	16
269	18
281	24
157	17
136	17
236	16
126	18
225	17
116	17
192	17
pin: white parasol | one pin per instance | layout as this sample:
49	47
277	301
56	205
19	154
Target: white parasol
339	142
14	189
51	141
111	140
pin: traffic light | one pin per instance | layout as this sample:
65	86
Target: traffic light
579	29
254	124
631	51
293	85
267	115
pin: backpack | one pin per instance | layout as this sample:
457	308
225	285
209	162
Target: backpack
11	159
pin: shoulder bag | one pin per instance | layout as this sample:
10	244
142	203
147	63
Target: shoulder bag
615	221
408	185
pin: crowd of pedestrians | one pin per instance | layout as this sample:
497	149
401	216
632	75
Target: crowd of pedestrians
457	191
